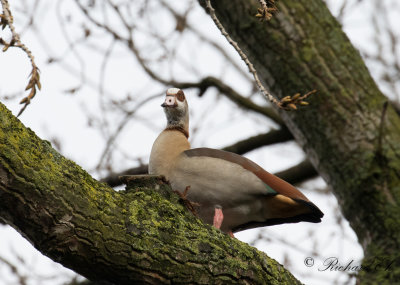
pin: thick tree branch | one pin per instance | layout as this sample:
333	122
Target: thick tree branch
352	145
141	235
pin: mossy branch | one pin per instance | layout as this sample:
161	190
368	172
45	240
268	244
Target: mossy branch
141	235
348	133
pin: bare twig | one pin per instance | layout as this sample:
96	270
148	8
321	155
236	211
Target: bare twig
72	44
286	105
243	56
202	85
14	269
207	40
127	116
232	95
34	82
289	103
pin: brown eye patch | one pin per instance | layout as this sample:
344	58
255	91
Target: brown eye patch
180	96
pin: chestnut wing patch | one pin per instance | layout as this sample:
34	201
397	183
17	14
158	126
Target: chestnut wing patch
274	185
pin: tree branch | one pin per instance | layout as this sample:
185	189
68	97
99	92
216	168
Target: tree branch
203	85
341	129
254	142
208	40
231	94
15	270
114	180
6	19
298	173
141	235
243	56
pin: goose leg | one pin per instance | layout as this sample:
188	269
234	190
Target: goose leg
218	217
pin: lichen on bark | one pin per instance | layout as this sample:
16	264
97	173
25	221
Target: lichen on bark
354	148
139	235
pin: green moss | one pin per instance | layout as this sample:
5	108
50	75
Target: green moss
304	48
87	224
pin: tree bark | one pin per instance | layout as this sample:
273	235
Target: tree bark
143	235
348	134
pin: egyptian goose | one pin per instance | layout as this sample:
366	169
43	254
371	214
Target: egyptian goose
233	192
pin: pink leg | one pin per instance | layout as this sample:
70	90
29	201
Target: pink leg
230	233
218	217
